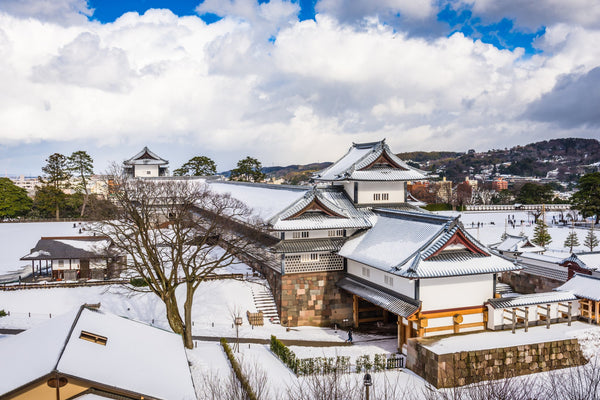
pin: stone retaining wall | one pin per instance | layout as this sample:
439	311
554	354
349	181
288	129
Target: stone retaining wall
458	369
314	299
528	283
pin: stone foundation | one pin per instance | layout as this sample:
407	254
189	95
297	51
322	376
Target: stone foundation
527	283
314	299
462	368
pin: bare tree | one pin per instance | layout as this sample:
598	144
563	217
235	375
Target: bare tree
175	234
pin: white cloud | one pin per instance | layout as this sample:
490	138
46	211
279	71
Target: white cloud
63	12
225	90
534	14
356	10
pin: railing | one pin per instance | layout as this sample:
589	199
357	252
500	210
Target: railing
516	207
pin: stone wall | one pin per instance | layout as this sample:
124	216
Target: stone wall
527	283
314	299
458	369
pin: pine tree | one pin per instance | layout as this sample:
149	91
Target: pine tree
591	240
541	236
571	241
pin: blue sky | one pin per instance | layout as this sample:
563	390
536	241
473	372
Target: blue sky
290	82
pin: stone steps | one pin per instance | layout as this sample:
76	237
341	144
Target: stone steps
263	300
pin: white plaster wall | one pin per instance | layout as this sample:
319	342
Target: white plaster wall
146	170
367	189
74	265
454	292
401	285
315	234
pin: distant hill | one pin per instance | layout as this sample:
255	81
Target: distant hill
294	174
564	156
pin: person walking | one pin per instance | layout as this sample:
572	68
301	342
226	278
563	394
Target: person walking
349	336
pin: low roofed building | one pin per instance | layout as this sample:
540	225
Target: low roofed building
146	164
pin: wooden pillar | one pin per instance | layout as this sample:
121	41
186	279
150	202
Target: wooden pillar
526	319
400	334
570	311
355	310
32	268
548	316
597	312
514	319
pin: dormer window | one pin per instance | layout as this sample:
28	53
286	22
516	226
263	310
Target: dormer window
93	337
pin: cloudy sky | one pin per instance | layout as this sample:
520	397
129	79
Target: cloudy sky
291	82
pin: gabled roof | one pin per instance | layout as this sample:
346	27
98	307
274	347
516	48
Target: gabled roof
419	245
135	358
67	247
322	208
515	243
146	157
369	162
582	286
573	258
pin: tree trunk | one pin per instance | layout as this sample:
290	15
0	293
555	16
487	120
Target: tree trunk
173	316
187	311
57	213
85	200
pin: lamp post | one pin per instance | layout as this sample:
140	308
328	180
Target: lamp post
368	382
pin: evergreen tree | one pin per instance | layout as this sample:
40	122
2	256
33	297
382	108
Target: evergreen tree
248	170
571	241
541	236
81	165
591	241
197	166
14	201
587	197
56	176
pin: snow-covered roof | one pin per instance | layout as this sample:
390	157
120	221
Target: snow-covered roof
309	245
146	157
135	357
65	247
362	163
419	245
266	200
531	299
575	259
591	260
515	243
395	303
540	257
322	208
582	286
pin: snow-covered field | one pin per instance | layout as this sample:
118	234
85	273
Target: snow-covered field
494	224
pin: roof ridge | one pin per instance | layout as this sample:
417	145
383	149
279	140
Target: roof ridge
75	320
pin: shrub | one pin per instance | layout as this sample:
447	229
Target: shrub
138	282
284	353
3	313
238	370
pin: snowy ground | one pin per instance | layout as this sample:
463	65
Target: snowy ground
494	224
20	238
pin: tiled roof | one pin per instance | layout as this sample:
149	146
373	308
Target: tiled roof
362	155
531	299
333	198
81	248
309	245
517	243
574	259
582	286
408	244
150	159
397	304
551	273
